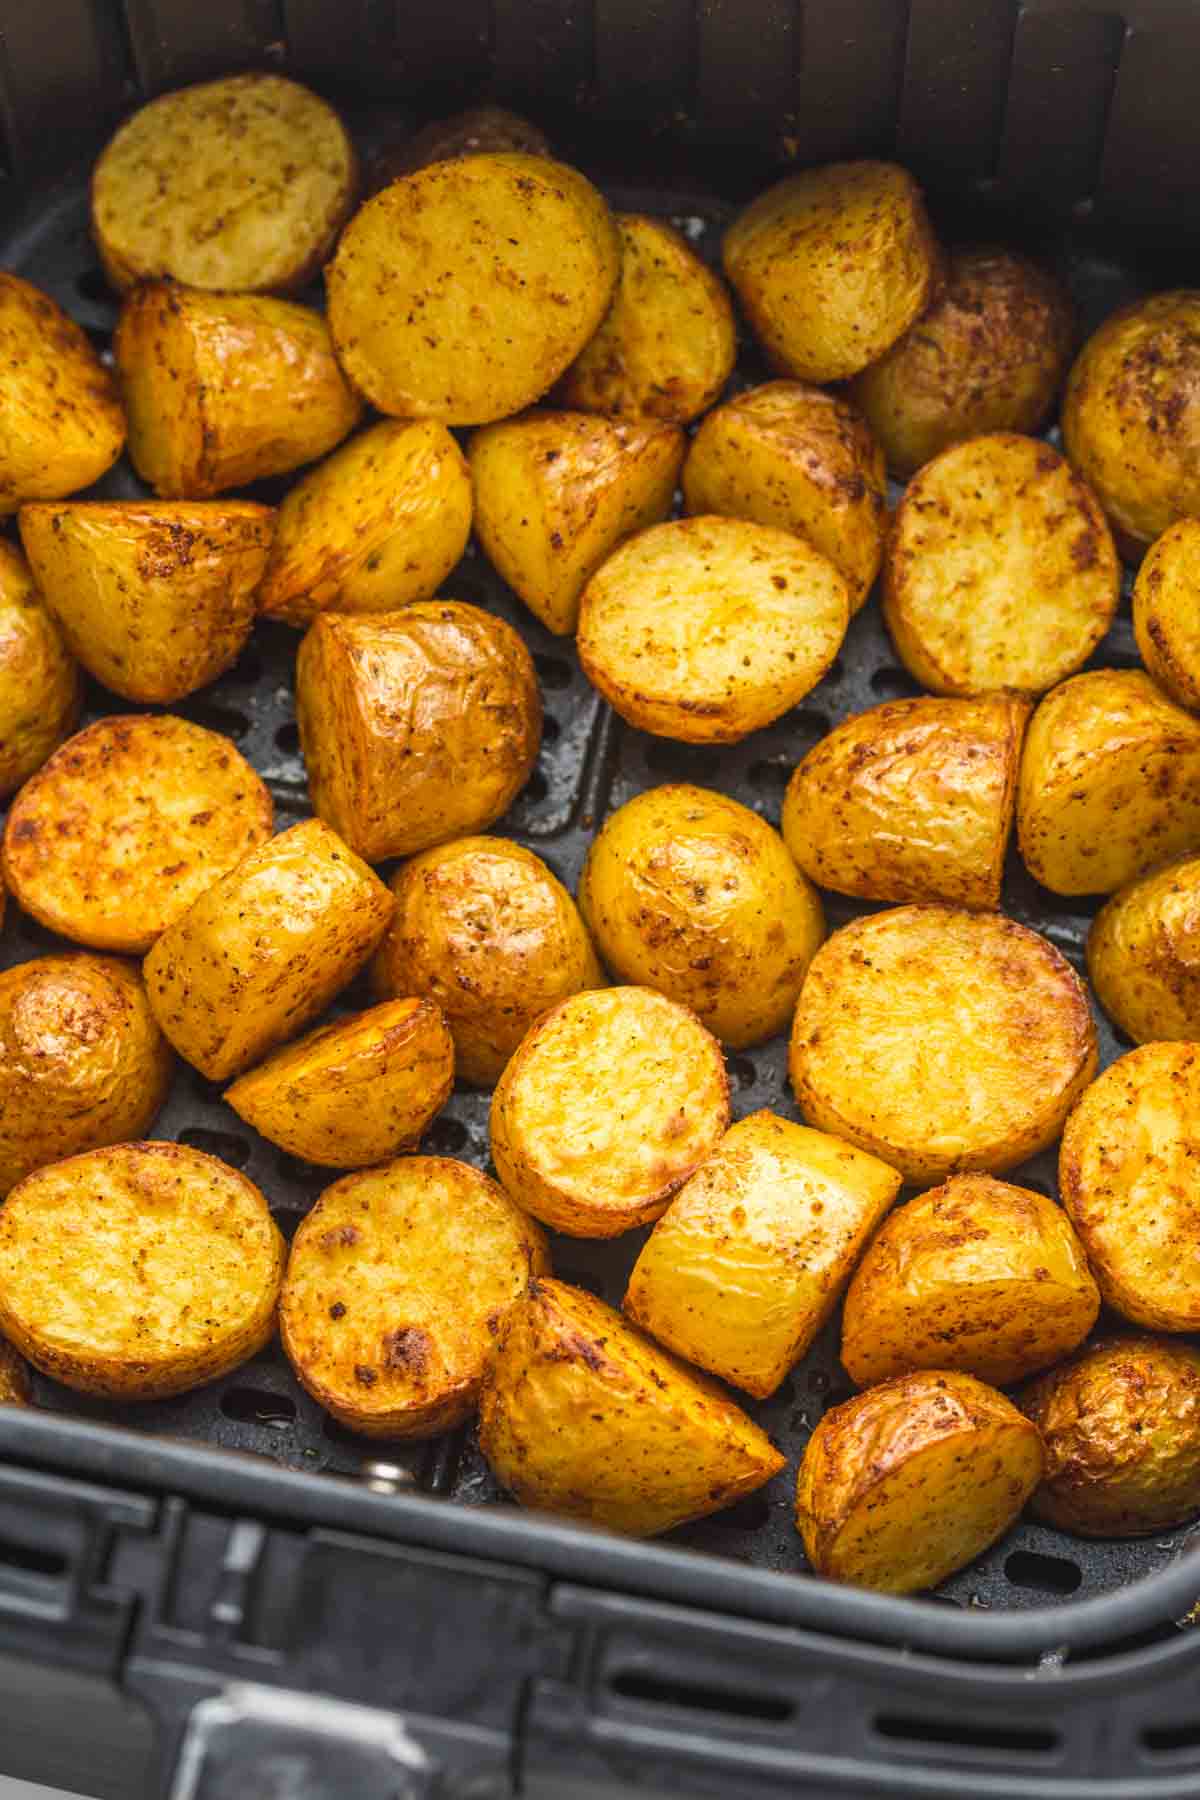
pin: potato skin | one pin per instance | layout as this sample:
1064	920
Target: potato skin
355	1092
417	726
397	1284
40	687
668	1445
82	1061
911	800
1166	612
976	1275
692	894
483	927
1142	955
15	1386
748	1261
906	1483
479	131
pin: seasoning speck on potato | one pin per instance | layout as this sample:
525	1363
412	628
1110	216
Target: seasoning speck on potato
40	689
1143	955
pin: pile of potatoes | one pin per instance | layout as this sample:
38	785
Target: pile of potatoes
708	545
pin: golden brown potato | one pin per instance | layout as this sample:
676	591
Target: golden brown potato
155	598
397	1285
666	346
382	522
354	1092
479	131
791	455
15	1386
689	893
463	291
265	949
749	1259
668	1445
242	184
941	1040
417	726
138	1271
115	836
61	424
1000	571
483	927
614	1097
224	389
706	629
832	265
1121	1426
556	492
1109	783
1143	955
82	1061
1166	612
40	689
975	1275
989	355
904	1484
912	800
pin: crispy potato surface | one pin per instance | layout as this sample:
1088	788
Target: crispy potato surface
479	131
40	689
1143	955
1166	612
15	1386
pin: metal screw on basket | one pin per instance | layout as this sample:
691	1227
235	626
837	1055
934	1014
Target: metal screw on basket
387	1478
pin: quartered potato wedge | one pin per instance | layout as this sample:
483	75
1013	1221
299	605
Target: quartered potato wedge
1166	612
40	688
1143	955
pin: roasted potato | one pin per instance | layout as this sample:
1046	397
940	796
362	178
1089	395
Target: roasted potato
1143	955
40	689
417	726
611	1101
706	629
463	291
791	455
479	131
1000	571
989	355
265	949
82	1061
242	184
832	265
1166	612
666	346
156	598
61	424
668	1447
127	824
941	1040
975	1275
138	1271
556	492
1121	1426
15	1386
1109	783
692	894
749	1259
912	800
904	1484
398	1281
354	1092
483	927
223	389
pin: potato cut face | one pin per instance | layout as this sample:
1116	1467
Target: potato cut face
749	1259
1166	612
609	1104
397	1285
941	1041
1000	570
707	629
15	1386
670	1445
40	687
1143	955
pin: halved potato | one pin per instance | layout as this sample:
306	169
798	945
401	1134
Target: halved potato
904	1484
912	800
1000	571
976	1275
127	824
692	894
706	629
40	688
612	1100
138	1271
1109	783
556	492
155	598
265	949
1143	955
1166	612
749	1259
941	1040
463	291
479	131
398	1281
583	1416
15	1386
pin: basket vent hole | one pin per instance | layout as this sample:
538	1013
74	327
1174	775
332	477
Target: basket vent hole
750	1514
230	1149
248	670
551	729
742	1071
287	738
677	762
255	1406
894	684
225	719
32	1558
967	1734
553	671
810	722
1044	1574
771	775
536	788
656	1690
1161	1738
92	285
445	1136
